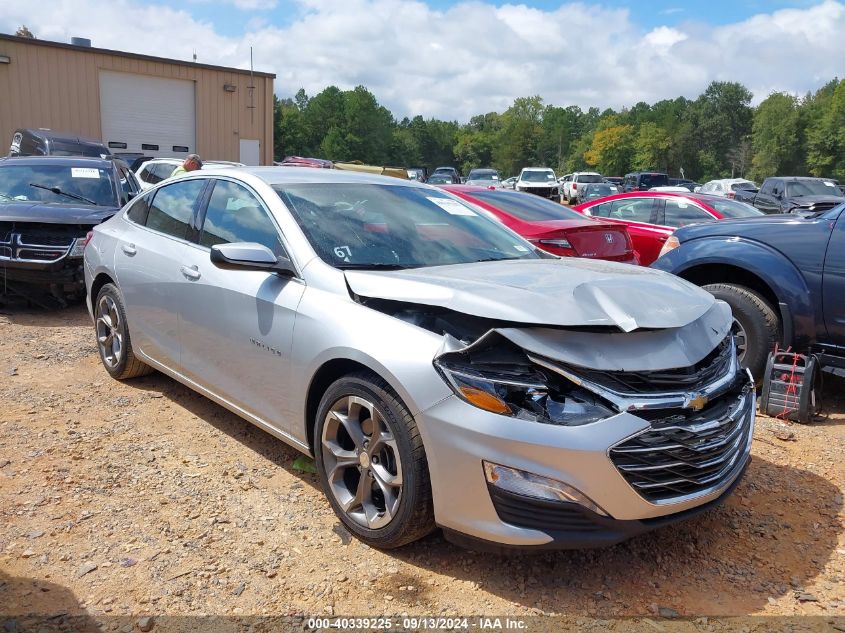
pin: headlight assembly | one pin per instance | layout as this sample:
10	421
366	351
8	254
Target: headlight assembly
504	381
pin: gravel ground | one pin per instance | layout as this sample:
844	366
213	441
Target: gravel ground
143	497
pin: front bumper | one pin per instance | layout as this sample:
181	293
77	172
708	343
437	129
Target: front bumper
545	192
459	437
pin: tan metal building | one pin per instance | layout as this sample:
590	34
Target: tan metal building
136	103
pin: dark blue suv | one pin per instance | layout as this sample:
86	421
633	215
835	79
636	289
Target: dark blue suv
782	275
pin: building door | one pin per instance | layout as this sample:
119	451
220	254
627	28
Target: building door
250	152
152	115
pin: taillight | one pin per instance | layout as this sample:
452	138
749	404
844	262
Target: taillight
730	195
88	237
555	243
574	185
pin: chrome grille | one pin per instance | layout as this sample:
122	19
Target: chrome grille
687	454
34	242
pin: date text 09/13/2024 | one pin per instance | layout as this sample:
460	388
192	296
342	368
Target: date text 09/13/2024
484	623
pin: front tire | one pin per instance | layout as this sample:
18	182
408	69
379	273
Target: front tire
371	462
756	325
113	340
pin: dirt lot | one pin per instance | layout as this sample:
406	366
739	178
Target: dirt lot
144	497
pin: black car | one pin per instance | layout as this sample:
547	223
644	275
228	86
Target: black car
447	171
782	275
45	142
48	204
644	180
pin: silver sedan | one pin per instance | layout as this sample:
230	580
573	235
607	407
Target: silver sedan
441	371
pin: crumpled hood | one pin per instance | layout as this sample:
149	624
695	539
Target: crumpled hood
54	212
568	292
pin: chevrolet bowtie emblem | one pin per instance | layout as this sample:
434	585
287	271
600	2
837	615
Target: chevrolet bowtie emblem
698	402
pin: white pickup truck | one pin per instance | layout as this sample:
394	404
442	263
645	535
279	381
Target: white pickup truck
538	180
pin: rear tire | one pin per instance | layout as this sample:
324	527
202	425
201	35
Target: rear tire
755	320
113	340
371	462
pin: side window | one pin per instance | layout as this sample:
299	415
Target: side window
235	215
767	187
127	183
139	210
632	209
172	207
601	210
680	213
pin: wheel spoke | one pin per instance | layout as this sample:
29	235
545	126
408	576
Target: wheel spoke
390	491
351	426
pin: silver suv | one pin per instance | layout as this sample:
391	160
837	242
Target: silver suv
440	369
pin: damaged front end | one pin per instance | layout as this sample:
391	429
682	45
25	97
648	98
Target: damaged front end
685	384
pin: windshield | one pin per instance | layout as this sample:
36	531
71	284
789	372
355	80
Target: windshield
483	174
537	176
813	188
588	178
653	180
440	179
526	206
733	209
92	183
353	225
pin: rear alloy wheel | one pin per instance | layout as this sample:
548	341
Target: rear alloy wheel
756	326
371	462
113	341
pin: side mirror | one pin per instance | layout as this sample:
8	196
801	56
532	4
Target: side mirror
250	256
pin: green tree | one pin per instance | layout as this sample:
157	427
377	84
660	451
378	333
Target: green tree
826	132
651	148
776	137
518	141
612	149
23	31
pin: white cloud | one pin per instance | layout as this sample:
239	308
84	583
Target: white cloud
473	57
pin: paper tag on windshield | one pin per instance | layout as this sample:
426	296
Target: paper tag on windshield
829	184
84	172
451	206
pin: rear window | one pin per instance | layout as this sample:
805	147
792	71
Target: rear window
589	178
733	209
527	207
654	180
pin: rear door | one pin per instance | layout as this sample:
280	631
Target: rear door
639	215
674	213
148	262
237	325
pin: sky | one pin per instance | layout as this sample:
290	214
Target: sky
455	59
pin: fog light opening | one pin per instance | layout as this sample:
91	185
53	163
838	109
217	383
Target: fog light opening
520	482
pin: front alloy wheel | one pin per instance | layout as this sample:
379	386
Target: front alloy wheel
371	462
362	462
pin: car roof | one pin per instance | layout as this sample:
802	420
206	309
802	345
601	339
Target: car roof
62	161
58	135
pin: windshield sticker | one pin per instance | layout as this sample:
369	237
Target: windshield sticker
343	252
829	184
84	172
519	247
451	206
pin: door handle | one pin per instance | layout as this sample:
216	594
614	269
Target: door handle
191	273
129	249
662	238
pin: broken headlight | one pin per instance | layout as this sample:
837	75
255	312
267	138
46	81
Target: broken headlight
504	381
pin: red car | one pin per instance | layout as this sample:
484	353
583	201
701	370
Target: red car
652	216
551	226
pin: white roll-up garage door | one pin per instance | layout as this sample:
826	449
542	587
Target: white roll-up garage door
153	115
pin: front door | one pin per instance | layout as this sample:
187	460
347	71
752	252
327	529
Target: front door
237	325
834	284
